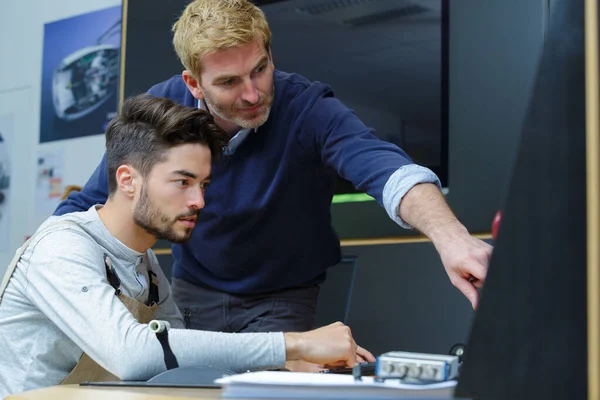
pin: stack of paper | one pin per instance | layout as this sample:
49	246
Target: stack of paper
299	385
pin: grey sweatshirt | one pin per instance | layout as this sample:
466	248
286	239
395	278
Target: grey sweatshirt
59	304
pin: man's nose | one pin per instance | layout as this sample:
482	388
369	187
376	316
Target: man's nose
250	92
196	199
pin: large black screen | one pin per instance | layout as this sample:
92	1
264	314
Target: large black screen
385	59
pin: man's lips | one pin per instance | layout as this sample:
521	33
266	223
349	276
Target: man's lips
190	222
251	109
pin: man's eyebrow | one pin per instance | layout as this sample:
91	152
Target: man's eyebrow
189	174
262	61
184	173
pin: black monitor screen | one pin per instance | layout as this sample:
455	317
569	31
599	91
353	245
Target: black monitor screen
385	59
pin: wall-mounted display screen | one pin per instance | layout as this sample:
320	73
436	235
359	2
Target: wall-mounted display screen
385	59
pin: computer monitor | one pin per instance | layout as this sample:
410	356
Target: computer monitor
388	61
528	338
385	59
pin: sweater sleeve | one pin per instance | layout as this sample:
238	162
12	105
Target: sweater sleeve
66	281
94	192
343	142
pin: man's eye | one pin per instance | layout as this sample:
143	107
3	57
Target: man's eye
260	69
182	182
228	82
204	185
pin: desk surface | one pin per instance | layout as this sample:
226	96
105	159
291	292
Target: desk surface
76	392
68	392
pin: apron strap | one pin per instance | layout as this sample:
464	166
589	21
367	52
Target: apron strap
115	282
153	290
111	275
13	264
168	355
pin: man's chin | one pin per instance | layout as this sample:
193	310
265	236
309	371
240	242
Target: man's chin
254	122
182	239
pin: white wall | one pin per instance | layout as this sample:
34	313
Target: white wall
21	43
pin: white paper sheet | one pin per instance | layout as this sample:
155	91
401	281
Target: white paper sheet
277	384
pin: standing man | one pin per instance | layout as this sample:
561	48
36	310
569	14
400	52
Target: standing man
83	289
265	240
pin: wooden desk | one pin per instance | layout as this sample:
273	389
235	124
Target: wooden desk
68	392
76	392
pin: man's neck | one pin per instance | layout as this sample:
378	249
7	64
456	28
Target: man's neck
229	127
118	219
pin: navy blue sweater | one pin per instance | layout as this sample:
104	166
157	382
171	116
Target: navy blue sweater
267	223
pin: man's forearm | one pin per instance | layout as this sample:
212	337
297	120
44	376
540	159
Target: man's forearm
425	208
464	257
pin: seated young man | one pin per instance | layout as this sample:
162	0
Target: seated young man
84	287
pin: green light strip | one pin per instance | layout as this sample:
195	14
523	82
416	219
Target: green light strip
351	198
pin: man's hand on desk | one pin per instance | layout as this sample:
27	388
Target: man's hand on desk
331	345
305	366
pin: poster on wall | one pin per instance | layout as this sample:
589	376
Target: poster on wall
80	74
49	181
6	137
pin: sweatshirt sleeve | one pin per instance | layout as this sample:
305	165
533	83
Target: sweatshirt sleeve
66	281
94	192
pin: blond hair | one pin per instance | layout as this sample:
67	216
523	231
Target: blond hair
206	26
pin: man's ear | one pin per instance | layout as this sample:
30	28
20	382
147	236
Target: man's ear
126	180
192	84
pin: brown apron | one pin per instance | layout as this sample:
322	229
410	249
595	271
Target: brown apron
86	369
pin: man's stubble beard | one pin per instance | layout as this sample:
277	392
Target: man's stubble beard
145	213
244	123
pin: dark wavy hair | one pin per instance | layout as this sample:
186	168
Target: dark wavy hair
147	127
